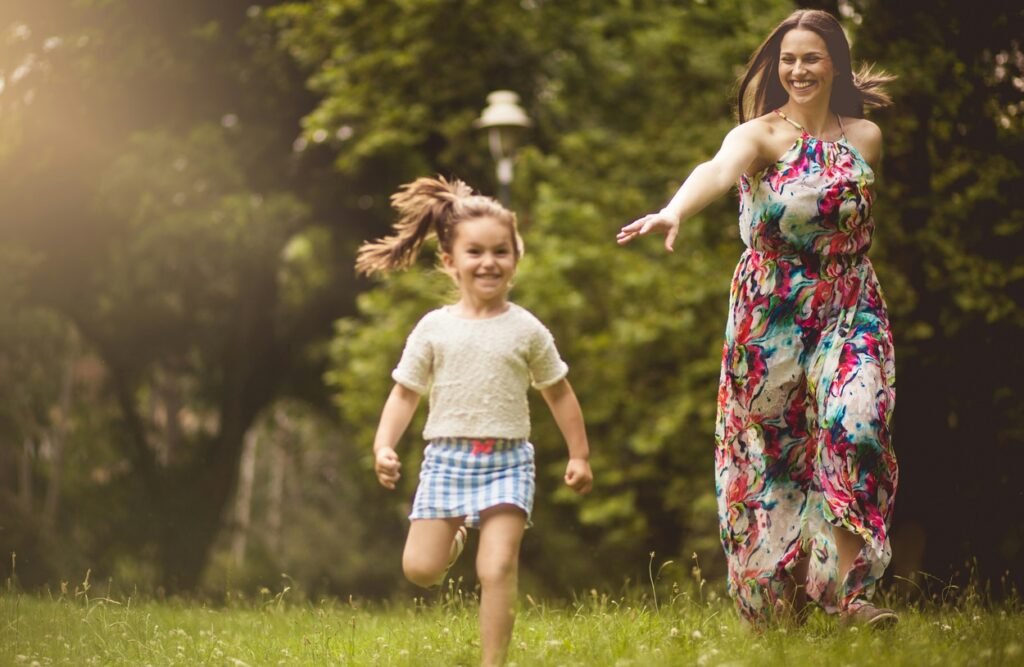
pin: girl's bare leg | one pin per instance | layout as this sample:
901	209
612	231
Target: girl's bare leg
497	567
428	550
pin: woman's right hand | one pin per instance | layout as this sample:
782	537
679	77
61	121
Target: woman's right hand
742	147
652	222
387	467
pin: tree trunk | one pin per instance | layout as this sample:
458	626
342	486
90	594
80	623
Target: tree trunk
167	404
275	496
194	509
25	474
243	499
58	439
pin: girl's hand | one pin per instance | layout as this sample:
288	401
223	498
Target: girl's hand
578	476
652	222
387	467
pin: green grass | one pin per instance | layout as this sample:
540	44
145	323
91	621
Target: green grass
76	629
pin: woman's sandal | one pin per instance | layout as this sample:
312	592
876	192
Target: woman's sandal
870	616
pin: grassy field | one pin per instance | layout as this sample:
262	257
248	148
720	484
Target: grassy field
83	629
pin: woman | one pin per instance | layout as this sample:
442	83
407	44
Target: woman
805	472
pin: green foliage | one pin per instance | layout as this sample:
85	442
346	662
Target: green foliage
151	192
193	246
401	82
306	528
951	228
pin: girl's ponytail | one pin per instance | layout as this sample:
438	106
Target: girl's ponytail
426	206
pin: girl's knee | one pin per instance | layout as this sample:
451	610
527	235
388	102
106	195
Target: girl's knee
497	571
421	572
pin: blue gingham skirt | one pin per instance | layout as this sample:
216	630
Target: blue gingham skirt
464	476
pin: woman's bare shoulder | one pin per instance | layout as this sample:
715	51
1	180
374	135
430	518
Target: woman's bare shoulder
762	134
865	136
763	127
771	136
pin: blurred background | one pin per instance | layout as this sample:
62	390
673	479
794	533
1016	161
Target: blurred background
191	374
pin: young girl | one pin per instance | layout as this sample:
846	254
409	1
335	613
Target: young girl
477	358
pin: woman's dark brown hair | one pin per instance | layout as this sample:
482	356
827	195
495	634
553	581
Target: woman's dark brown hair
430	206
851	93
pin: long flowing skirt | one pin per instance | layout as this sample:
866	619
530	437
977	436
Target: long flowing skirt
803	435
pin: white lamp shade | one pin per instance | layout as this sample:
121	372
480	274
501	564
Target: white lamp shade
503	110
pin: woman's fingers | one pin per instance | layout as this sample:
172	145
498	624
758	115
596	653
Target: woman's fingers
670	238
625	237
647	224
636	228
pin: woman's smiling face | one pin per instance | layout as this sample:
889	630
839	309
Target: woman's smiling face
805	68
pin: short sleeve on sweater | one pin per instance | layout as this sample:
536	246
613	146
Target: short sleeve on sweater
414	368
546	366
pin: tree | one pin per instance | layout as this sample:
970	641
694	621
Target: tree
152	183
39	358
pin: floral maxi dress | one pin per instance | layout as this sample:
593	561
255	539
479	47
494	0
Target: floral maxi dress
807	385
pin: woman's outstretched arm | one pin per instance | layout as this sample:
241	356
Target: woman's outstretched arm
708	181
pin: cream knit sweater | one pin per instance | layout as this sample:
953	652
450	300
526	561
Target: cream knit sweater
479	371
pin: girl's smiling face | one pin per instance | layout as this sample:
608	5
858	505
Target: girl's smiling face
805	68
482	260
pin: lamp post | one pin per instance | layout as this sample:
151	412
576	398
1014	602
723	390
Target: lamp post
504	121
